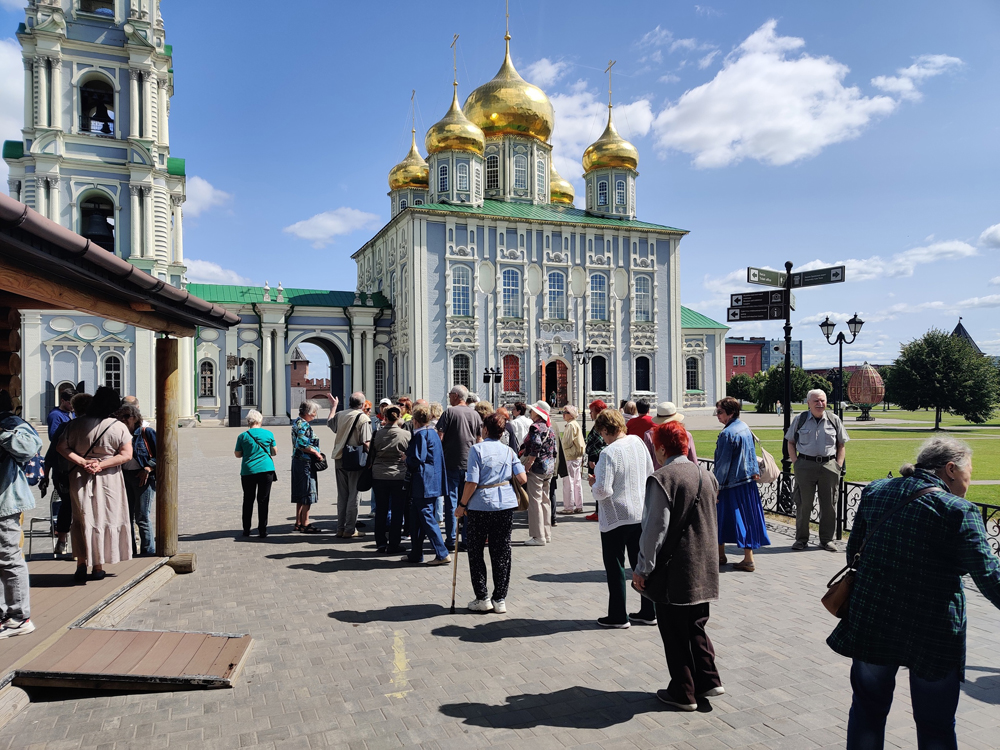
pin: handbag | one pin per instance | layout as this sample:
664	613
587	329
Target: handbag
319	464
837	598
768	466
519	490
656	582
367	476
354	457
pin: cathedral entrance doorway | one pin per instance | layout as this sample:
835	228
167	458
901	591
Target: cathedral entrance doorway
555	385
316	367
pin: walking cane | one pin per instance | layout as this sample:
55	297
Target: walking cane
454	570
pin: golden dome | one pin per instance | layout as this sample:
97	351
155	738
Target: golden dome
411	172
454	132
509	105
610	151
560	191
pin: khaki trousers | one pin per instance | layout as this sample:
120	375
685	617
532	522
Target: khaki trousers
812	478
539	507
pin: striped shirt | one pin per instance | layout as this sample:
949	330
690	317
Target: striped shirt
620	482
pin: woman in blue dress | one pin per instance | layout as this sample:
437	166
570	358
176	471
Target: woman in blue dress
741	515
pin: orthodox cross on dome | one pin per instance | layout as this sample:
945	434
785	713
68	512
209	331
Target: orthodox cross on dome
413	112
507	11
611	64
454	59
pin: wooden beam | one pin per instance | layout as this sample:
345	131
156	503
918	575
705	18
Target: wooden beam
168	413
49	294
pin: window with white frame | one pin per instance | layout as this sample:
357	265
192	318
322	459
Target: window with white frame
113	372
250	383
443	178
602	193
736	361
206	379
461	370
620	193
511	293
97	107
521	172
461	291
492	172
379	380
643	299
642	374
598	296
693	371
557	295
599	374
743	361
463	177
540	176
402	203
479	182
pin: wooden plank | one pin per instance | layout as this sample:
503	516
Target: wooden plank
137	649
230	660
120	640
62	648
185	651
205	656
94	640
160	653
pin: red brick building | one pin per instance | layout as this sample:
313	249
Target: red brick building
743	357
316	388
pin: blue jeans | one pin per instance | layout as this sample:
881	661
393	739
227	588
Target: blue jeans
424	525
140	509
456	481
934	705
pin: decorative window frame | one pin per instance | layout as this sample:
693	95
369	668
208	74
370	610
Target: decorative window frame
215	378
504	270
590	297
548	312
602	193
470	357
442	175
493	172
82	76
520	172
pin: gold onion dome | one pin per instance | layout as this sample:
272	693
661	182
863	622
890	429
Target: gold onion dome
454	132
610	151
559	189
411	172
509	105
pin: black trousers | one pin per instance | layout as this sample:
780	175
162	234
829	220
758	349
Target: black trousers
496	526
391	506
614	544
258	485
552	499
64	521
689	651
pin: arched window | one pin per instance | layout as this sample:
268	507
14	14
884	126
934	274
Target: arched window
540	176
492	172
479	182
511	293
461	369
113	372
206	379
418	202
693	374
511	373
521	172
97	220
402	203
643	299
443	178
97	108
620	193
461	291
557	295
250	387
642	373
602	193
599	374
379	380
463	177
598	296
392	287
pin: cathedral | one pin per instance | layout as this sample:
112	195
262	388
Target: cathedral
484	265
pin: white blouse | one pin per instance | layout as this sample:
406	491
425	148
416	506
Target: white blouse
620	482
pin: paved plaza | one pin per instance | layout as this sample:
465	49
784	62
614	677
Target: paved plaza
355	650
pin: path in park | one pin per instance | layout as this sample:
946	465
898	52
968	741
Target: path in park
356	651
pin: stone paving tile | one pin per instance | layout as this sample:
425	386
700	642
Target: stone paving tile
358	652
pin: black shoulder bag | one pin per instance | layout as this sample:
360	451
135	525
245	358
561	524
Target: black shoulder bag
354	457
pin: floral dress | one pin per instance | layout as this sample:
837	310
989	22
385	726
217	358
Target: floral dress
304	487
541	443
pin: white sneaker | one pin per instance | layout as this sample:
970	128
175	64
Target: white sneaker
480	605
713	692
500	607
533	542
17	627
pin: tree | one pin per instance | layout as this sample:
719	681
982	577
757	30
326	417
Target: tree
740	387
772	388
945	373
818	381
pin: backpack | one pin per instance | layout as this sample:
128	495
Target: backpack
34	467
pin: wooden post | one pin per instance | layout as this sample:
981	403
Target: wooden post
167	415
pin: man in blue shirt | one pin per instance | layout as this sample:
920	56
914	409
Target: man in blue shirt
62	413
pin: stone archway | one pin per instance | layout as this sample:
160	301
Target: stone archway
556	381
338	387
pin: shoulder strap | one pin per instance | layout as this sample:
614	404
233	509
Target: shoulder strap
801	420
97	439
353	426
885	516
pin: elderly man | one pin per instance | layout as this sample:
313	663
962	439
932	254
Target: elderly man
353	428
817	444
459	428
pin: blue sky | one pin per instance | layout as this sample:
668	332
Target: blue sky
852	132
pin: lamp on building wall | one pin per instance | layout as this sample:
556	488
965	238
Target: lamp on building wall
827	327
583	356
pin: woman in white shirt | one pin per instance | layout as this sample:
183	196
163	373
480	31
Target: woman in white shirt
619	487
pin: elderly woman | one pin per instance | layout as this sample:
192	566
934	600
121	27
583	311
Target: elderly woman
619	486
916	536
680	507
741	514
573	447
489	502
140	479
425	460
97	445
256	447
539	453
594	445
388	458
305	448
509	437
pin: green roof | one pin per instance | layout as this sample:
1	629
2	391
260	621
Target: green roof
691	319
244	295
13	149
176	166
547	213
168	50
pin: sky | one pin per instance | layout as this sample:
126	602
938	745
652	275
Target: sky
854	133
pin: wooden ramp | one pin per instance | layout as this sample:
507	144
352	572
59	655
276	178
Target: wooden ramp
137	660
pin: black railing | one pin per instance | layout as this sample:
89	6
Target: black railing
779	500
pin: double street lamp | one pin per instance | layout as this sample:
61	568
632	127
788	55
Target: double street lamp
583	356
493	375
828	326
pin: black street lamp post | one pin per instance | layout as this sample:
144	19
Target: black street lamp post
493	375
583	356
828	326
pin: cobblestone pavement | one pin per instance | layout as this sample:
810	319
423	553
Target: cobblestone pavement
357	651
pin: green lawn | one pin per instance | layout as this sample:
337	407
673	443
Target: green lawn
947	420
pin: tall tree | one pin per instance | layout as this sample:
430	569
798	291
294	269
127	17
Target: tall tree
740	387
772	388
818	381
945	373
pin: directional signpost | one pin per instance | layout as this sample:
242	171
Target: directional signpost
759	306
765	276
818	277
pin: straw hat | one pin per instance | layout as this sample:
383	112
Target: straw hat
667	412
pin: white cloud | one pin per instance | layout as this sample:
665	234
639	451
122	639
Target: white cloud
545	72
990	236
768	106
669	78
322	228
11	92
707	10
687	45
905	84
202	196
207	272
995	281
656	38
707	59
992	300
901	264
836	317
